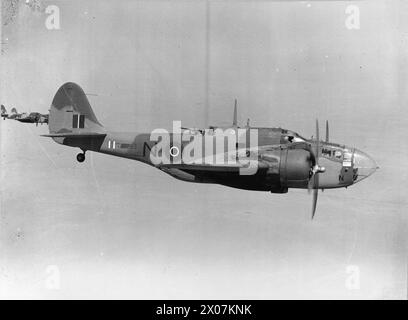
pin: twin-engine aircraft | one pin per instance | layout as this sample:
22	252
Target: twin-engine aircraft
33	117
282	158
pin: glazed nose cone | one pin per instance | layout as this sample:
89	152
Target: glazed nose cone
364	164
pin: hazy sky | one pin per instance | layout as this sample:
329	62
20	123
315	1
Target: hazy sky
115	228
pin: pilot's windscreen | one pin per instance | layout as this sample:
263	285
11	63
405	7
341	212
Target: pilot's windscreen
298	138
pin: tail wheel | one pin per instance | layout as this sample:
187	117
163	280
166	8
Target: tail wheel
81	157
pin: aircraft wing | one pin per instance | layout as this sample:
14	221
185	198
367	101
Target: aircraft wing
235	167
75	135
214	167
229	167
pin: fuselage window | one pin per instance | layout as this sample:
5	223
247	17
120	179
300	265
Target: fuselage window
347	159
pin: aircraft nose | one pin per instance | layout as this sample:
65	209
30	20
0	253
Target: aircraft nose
364	164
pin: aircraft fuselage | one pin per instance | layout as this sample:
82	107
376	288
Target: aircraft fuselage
284	167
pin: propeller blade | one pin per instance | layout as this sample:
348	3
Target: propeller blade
317	140
311	182
327	131
310	185
315	178
315	194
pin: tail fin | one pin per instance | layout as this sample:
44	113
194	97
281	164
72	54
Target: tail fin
3	109
14	111
71	112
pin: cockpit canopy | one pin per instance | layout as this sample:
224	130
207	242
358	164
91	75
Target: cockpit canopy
291	137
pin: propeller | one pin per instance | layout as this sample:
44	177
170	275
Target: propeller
315	169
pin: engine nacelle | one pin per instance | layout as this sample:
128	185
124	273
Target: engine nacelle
294	168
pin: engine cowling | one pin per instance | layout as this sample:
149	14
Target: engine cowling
294	168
